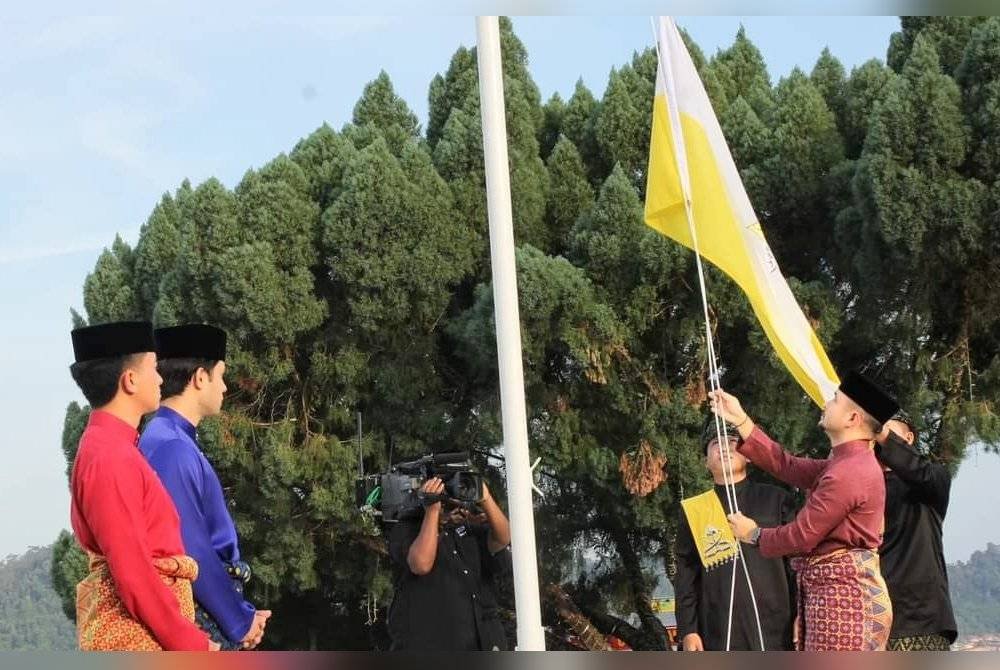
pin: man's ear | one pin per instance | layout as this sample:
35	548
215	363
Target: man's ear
199	378
127	382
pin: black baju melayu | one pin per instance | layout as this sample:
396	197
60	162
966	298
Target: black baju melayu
702	595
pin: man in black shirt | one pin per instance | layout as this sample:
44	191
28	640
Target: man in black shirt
443	572
912	551
703	582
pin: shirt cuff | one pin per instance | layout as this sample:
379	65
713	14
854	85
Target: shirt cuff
766	544
756	440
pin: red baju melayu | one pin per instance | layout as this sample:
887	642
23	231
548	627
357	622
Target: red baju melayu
843	601
138	593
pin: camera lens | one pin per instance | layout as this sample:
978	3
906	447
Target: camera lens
464	486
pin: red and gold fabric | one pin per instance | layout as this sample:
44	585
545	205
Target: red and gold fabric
843	602
103	622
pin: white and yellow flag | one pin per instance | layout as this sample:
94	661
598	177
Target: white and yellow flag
690	162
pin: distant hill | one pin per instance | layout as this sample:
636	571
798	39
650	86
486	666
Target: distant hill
31	616
975	592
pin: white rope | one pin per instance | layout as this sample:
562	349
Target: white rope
722	436
721	430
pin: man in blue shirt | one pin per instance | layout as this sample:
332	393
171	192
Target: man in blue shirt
191	360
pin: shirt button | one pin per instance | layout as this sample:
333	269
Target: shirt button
473	596
465	572
454	552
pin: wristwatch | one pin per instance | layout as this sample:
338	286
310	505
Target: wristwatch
755	536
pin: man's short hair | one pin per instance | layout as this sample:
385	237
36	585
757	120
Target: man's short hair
907	420
177	373
867	420
870	422
98	377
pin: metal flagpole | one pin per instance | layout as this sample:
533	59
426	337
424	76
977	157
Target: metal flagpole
508	328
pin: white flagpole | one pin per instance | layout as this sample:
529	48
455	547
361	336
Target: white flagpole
508	328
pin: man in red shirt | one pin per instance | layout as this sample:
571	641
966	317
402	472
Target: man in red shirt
843	600
137	595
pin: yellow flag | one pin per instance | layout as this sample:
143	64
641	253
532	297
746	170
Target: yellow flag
710	529
689	161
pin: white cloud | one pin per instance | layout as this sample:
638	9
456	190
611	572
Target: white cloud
29	254
33	129
74	33
24	43
115	133
99	91
77	220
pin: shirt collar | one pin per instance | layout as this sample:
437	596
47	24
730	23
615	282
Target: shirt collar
738	485
178	420
851	447
116	427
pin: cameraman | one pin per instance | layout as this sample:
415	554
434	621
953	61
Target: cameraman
444	566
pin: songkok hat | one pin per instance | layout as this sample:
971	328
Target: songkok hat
903	417
709	433
110	340
191	341
869	396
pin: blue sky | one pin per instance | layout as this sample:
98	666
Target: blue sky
100	115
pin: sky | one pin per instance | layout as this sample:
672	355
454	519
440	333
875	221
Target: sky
99	116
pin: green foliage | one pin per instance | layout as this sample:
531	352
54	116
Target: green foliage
919	229
804	147
68	567
981	96
949	36
741	73
570	195
622	127
108	292
31	618
578	125
553	111
73	426
863	90
828	76
381	107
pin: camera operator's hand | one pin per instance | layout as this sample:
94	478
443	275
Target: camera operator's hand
423	552
432	487
499	526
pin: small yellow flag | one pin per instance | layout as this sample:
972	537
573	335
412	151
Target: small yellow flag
710	529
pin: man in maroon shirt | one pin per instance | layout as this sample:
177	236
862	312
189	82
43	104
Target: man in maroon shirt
137	595
843	601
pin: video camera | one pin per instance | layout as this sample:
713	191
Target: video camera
396	494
